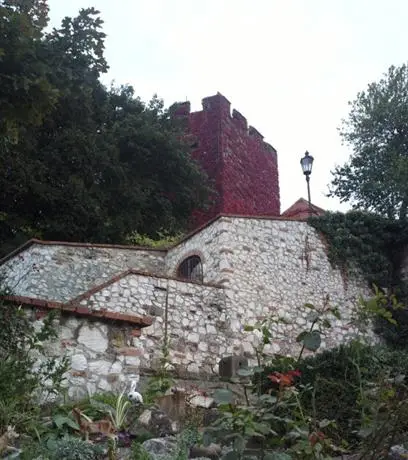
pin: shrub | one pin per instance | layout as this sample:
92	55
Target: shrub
163	240
22	348
340	378
67	448
139	452
395	335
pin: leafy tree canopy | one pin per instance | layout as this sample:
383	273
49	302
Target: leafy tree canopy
376	176
25	91
79	161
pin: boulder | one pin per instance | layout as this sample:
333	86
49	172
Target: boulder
398	453
213	451
198	400
160	448
157	422
210	416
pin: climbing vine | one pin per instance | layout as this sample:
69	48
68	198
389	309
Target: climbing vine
364	242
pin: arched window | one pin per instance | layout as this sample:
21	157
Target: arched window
191	269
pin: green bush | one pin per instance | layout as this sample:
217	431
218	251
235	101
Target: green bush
162	241
364	241
139	452
68	448
21	345
395	335
339	376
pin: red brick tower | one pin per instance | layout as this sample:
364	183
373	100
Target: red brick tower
242	166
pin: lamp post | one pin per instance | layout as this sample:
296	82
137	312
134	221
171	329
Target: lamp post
307	162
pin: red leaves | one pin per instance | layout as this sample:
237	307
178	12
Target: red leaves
316	437
286	379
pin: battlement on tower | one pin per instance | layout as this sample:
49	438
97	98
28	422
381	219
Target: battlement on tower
220	107
235	156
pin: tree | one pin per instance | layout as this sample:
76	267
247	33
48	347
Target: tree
101	164
376	176
26	93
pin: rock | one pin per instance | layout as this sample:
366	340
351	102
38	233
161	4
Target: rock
145	417
193	337
123	453
132	361
93	339
173	390
156	422
201	401
101	367
210	416
213	451
398	453
160	448
77	393
116	367
104	385
79	363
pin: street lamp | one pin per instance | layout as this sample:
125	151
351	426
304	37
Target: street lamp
307	162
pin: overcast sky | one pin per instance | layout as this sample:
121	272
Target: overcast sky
289	66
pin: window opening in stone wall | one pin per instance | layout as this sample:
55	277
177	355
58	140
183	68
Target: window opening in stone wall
191	269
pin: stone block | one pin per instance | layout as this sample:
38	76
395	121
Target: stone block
193	337
229	365
132	361
116	367
201	401
112	378
79	363
104	385
101	367
77	393
130	351
93	339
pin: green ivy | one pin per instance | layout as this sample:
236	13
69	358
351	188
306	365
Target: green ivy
366	243
163	240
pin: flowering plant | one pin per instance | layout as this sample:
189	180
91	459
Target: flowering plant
272	416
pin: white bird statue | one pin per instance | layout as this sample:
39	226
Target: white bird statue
133	395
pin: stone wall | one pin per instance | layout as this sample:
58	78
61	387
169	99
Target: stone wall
63	271
272	266
253	268
209	244
197	318
103	356
275	267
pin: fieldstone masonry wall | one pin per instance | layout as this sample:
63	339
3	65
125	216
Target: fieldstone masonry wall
209	243
62	271
103	357
253	268
196	315
275	267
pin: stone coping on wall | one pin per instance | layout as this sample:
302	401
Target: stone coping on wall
135	320
34	241
234	216
131	271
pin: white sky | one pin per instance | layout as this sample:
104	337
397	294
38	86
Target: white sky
289	66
